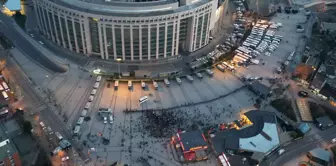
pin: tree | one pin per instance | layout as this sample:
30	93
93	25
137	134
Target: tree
27	127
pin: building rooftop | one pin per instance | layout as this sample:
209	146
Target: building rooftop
319	81
13	5
260	88
6	148
129	9
191	139
321	154
261	136
324	121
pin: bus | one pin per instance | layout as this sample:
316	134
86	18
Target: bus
190	79
143	99
209	72
77	130
130	84
4	84
166	81
116	84
96	85
155	84
58	135
240	58
220	67
4	94
99	78
143	85
178	80
228	66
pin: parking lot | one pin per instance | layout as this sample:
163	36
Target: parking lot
204	102
288	44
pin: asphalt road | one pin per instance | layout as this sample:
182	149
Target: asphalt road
299	147
9	29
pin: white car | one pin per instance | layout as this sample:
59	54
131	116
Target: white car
333	140
65	158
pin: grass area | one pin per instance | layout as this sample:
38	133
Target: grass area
20	20
285	107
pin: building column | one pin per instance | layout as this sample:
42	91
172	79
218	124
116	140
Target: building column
177	36
165	41
45	23
140	42
149	42
157	40
56	32
122	42
202	31
131	33
75	34
101	44
114	44
173	40
82	35
38	15
87	36
195	27
50	27
107	44
68	33
60	25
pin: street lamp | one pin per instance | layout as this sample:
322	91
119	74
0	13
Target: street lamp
118	60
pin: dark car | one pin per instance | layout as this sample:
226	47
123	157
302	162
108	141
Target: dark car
303	94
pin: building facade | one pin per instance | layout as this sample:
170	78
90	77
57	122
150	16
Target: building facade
131	31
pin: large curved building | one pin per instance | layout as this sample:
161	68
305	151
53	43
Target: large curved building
127	29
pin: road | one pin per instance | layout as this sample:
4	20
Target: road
9	28
36	104
299	147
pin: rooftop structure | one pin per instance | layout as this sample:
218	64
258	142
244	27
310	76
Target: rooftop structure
13	5
261	136
260	89
191	144
8	154
320	156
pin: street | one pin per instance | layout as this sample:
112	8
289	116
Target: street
11	30
299	147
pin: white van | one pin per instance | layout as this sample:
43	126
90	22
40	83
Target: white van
1	88
178	80
166	81
111	119
199	75
59	136
143	85
99	78
130	85
96	85
87	105
155	84
190	79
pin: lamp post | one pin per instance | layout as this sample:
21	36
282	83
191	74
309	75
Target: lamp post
118	60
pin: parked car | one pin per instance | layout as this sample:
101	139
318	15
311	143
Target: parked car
303	94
